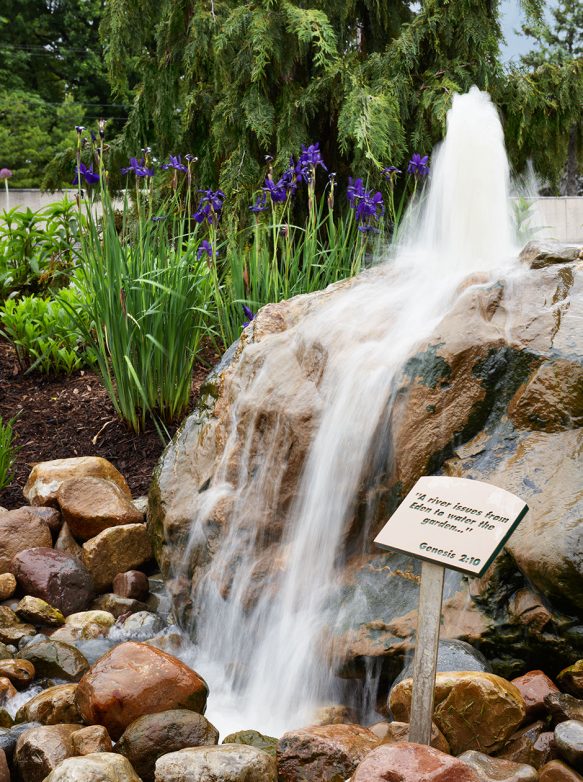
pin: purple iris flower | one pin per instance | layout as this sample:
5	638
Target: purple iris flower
354	191
79	129
210	206
175	163
391	172
88	175
368	206
249	314
418	166
159	218
310	158
138	167
260	204
277	190
205	247
191	158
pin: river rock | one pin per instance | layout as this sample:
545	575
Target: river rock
51	707
135	679
85	625
569	741
39	612
227	763
20	529
473	710
67	543
320	753
557	771
7	691
51	516
59	579
4	770
406	762
40	750
90	505
334	715
452	655
538	254
96	767
253	739
564	707
46	478
393	732
93	738
497	770
154	735
116	550
571	679
55	659
20	672
132	584
9	737
12	630
7	585
534	686
116	605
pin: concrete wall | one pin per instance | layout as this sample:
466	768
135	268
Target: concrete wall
32	199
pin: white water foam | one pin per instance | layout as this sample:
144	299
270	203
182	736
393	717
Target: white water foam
264	661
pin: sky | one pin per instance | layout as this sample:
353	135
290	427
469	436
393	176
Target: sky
512	18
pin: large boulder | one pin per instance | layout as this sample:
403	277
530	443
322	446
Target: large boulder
227	763
407	762
114	551
21	529
46	478
51	706
59	579
55	659
95	767
134	679
40	750
90	505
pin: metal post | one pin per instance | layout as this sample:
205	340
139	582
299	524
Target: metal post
426	647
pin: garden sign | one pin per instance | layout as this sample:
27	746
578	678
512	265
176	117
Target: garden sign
454	523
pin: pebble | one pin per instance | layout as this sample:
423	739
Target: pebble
569	740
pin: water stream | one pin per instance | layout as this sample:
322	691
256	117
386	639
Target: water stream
261	648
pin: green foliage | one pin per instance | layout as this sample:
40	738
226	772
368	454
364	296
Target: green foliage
37	249
44	335
7	451
560	40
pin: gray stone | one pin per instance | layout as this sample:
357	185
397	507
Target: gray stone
569	741
96	767
491	769
55	659
537	254
225	763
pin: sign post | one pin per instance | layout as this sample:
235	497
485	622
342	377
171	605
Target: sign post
456	523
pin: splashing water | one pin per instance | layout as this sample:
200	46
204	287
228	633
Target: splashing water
261	618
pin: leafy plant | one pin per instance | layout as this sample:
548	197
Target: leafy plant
44	335
8	451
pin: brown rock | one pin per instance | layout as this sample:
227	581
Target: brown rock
473	710
51	707
534	686
7	585
134	679
11	628
326	752
39	750
571	679
55	659
557	771
85	625
226	763
334	715
406	762
552	400
399	731
96	767
20	672
94	738
132	584
46	478
564	707
496	770
51	516
116	605
116	550
20	529
154	735
531	745
4	770
58	578
7	690
90	505
67	543
39	612
538	254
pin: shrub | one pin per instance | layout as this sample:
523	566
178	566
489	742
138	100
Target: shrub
7	452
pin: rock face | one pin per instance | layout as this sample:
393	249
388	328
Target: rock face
494	394
227	763
90	505
20	529
134	679
407	762
116	550
59	579
46	478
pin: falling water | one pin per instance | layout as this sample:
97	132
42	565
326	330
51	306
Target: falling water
260	620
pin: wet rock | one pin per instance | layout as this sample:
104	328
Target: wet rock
135	679
93	738
473	710
20	529
557	771
534	686
7	690
538	254
571	679
496	770
253	738
399	731
20	672
552	400
39	612
5	651
55	659
96	767
12	630
40	750
320	753
116	550
527	746
4	770
6	720
9	737
452	655
85	625
132	584
227	763
90	505
569	741
51	516
405	762
116	605
154	735
564	707
51	707
7	585
59	579
67	543
143	624
46	478
334	715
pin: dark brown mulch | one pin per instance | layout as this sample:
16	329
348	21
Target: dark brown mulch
60	417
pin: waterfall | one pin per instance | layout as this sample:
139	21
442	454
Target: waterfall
260	619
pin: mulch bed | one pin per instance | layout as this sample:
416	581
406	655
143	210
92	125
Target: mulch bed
60	417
